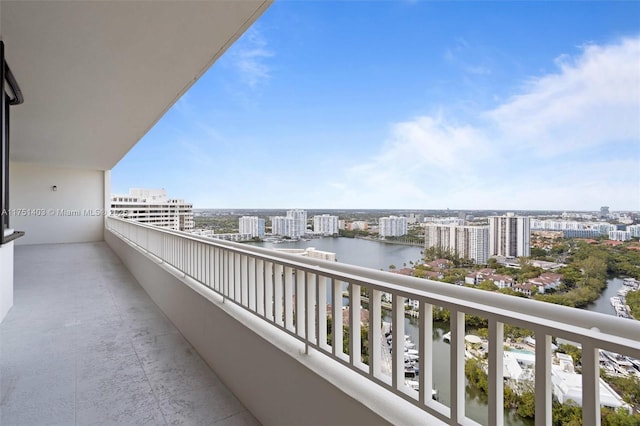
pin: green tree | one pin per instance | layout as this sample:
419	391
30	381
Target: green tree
527	405
487	285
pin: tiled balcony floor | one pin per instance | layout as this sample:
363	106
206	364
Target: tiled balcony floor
85	345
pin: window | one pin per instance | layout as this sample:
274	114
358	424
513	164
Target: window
14	97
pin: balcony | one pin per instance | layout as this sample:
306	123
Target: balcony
278	305
158	327
84	344
163	327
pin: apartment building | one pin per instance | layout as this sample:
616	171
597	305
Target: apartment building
293	225
634	230
252	225
470	242
299	221
153	207
392	226
325	224
509	236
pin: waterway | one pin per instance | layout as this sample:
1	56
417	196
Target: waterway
378	255
603	303
357	251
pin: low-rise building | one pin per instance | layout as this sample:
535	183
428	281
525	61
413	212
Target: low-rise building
546	281
486	274
153	207
311	253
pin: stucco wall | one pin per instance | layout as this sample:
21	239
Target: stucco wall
264	367
6	278
72	213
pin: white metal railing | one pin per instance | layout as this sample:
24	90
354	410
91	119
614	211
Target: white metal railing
290	293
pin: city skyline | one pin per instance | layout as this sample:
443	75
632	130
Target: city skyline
427	105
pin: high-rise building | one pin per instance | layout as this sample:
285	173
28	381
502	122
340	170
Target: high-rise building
325	224
604	211
252	225
392	226
634	230
284	226
151	206
300	221
293	225
467	242
509	236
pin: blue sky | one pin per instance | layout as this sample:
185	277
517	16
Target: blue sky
410	105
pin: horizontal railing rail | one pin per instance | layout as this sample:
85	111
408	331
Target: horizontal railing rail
298	295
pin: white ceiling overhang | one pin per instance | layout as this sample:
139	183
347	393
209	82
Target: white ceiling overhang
97	75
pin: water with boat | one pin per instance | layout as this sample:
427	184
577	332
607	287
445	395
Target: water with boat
378	255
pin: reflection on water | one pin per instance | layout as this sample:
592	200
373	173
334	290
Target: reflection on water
476	406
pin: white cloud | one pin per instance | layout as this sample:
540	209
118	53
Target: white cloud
523	153
249	58
593	100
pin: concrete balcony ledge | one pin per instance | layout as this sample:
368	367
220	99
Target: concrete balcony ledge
267	369
84	344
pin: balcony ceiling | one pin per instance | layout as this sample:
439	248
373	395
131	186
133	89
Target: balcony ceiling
96	76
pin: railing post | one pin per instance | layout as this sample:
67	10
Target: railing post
277	294
354	324
375	333
311	282
321	318
337	317
590	385
260	287
237	277
288	298
300	303
269	291
457	367
251	292
425	351
397	331
496	373
543	379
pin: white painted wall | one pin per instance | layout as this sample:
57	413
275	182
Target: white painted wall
264	367
72	213
6	279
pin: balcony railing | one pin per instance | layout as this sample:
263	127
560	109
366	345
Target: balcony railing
293	293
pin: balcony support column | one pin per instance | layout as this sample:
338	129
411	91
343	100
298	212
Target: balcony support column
496	374
397	368
543	379
425	352
354	324
375	332
590	385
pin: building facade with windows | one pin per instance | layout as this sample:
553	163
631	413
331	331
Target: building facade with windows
151	206
299	221
392	226
284	226
509	236
466	242
325	224
252	225
634	230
